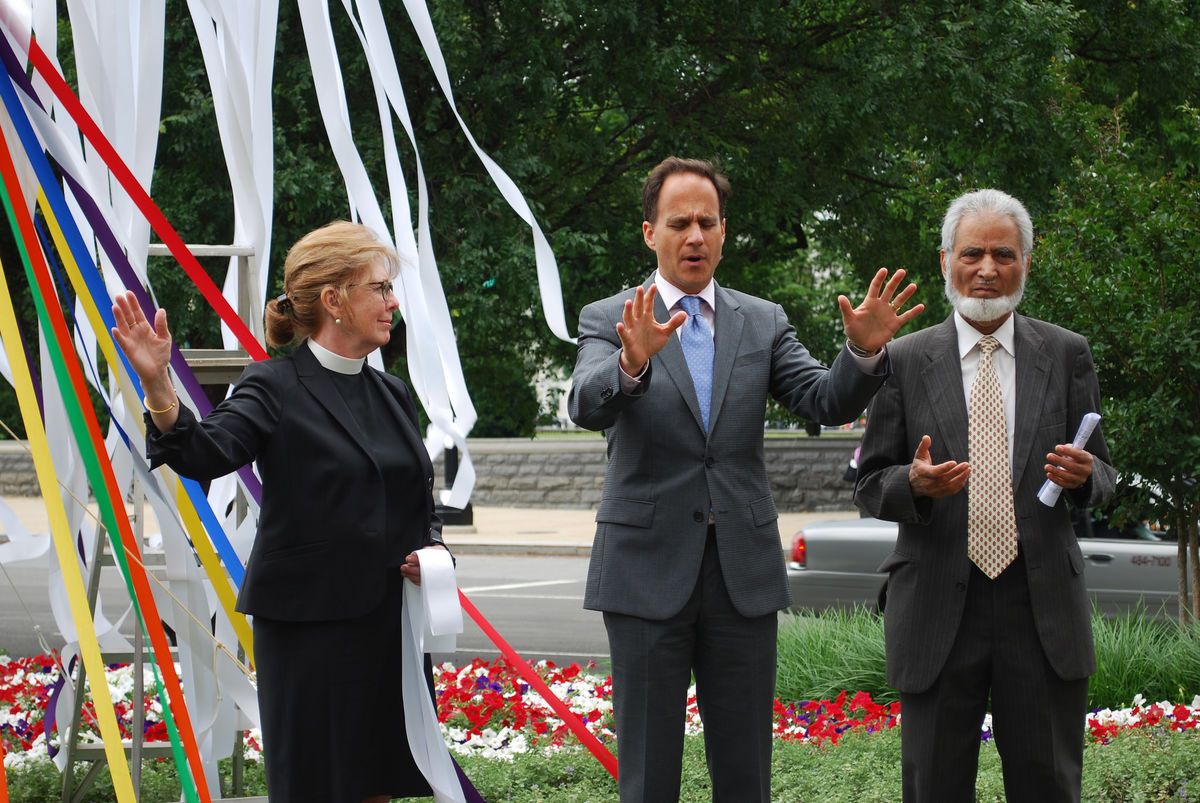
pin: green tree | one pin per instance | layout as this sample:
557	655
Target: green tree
1116	263
846	127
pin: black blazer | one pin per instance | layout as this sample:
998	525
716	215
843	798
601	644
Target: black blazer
321	552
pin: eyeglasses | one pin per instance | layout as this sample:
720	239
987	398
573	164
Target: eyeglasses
384	287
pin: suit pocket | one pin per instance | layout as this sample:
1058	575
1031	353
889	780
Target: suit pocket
630	512
752	357
893	561
762	511
295	551
1075	556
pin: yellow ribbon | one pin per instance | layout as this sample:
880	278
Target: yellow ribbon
81	612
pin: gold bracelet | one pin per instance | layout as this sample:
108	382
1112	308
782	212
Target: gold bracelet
152	411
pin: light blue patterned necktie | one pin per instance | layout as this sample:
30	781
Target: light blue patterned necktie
697	341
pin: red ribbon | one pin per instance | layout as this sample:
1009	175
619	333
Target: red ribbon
3	777
568	716
212	294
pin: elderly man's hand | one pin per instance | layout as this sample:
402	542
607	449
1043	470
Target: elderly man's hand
1068	467
942	480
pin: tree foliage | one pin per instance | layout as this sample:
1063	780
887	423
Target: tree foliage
1116	263
845	126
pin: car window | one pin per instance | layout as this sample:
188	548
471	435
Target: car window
1096	524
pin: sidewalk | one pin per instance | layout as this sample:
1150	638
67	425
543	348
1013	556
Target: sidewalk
496	530
544	531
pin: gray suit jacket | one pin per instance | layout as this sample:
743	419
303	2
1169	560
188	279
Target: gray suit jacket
929	569
663	472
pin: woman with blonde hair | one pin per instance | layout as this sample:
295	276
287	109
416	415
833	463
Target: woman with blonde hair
346	503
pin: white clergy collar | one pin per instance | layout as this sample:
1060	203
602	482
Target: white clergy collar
335	362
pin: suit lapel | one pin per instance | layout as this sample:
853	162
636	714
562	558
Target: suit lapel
942	378
316	380
727	338
1033	377
411	434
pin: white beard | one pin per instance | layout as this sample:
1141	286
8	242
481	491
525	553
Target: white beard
983	310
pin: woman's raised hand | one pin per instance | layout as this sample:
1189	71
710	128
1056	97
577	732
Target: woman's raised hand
147	347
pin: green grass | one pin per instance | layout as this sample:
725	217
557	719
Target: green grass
1144	765
1137	655
821	655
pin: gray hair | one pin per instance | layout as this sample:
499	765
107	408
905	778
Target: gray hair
987	200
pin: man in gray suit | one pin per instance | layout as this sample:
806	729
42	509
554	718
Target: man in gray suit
687	564
968	617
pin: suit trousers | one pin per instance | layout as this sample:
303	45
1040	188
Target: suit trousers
733	658
1037	717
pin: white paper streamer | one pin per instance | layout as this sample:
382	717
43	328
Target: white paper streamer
21	544
430	611
430	353
237	39
547	269
445	387
1049	493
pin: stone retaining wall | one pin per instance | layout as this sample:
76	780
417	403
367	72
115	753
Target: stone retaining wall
806	473
17	477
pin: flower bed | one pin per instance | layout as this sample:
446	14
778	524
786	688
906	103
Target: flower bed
486	709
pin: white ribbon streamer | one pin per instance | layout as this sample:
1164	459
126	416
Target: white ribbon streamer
237	39
428	354
431	611
547	269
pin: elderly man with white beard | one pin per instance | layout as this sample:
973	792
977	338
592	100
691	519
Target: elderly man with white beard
986	602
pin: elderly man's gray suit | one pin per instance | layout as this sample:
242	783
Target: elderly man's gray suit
929	570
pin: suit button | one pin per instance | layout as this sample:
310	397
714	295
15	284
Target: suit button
698	516
710	461
960	586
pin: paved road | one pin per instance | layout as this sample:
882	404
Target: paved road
534	602
524	569
536	605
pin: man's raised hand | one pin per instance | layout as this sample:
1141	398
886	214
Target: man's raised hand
877	319
641	335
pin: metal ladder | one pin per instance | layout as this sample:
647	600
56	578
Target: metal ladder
211	366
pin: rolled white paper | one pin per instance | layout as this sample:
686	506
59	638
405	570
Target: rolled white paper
1049	493
431	606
